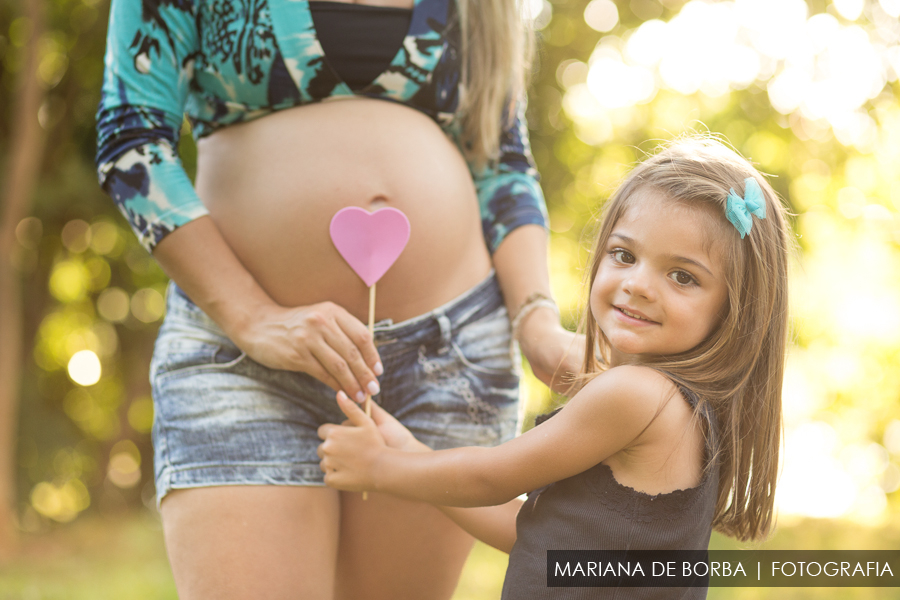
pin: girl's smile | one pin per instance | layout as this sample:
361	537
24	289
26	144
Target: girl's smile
630	315
660	288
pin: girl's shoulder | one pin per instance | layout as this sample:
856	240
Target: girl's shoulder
626	416
641	395
632	384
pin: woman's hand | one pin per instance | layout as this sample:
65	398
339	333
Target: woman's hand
554	353
323	340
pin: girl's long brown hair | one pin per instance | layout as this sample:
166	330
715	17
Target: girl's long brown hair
739	368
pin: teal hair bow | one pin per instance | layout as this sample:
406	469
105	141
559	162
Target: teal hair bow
738	210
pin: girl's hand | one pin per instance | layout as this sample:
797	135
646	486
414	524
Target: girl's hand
349	453
395	434
323	340
554	353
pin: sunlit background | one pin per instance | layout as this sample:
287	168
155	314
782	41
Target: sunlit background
807	90
832	137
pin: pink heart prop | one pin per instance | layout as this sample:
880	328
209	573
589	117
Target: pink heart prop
369	242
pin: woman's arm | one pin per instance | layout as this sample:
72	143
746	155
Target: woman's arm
514	219
609	414
554	353
145	87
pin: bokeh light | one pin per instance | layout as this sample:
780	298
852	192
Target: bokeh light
815	66
105	238
631	84
124	468
84	368
890	7
76	236
69	281
113	304
29	232
148	305
601	15
849	9
539	12
60	501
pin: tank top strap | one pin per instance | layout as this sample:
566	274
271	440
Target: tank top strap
705	410
687	393
692	398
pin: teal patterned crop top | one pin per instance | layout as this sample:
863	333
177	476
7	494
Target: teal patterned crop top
227	61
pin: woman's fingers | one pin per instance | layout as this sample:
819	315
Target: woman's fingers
361	338
343	346
313	339
337	368
317	370
346	363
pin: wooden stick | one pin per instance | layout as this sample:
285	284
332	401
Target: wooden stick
372	333
365	495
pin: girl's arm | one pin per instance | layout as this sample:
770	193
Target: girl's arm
493	525
609	414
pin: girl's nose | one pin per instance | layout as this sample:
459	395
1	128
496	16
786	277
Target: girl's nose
639	284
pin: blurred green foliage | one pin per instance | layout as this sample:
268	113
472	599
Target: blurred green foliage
88	286
91	289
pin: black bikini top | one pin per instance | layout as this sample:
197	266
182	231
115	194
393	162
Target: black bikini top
359	41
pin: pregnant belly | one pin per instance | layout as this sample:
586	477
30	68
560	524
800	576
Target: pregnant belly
272	186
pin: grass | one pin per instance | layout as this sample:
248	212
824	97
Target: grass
94	558
123	558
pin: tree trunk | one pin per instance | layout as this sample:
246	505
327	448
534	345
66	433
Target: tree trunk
26	145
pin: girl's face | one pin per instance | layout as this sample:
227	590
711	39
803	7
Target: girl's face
660	286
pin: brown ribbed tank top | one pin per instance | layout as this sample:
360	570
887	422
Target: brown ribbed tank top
592	511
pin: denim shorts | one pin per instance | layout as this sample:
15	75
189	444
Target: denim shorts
223	419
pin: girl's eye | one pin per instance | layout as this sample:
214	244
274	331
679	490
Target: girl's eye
683	278
622	256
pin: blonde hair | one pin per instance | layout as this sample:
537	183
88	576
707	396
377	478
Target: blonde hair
738	369
497	45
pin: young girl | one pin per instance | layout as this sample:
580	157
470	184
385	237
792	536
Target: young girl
676	431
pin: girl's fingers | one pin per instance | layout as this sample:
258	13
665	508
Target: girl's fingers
324	430
353	412
381	416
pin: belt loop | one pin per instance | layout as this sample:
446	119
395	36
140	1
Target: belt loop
444	323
